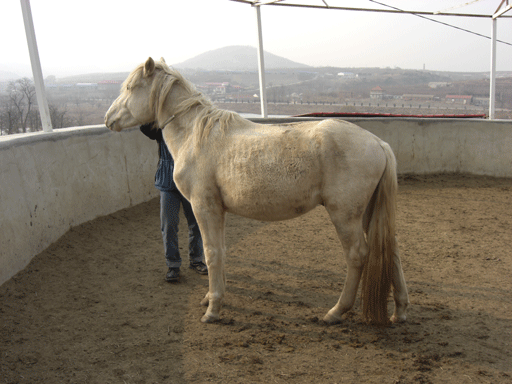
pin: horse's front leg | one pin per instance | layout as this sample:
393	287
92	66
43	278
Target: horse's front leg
212	224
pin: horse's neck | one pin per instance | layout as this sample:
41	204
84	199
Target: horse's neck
170	110
178	126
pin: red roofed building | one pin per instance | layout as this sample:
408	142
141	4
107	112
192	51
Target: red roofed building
377	93
459	99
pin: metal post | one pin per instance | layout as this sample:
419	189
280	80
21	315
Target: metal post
492	90
261	65
36	66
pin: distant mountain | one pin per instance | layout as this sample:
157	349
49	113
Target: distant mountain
236	58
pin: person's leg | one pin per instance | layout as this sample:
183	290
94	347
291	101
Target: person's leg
169	219
195	241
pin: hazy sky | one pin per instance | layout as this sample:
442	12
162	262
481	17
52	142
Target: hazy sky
84	36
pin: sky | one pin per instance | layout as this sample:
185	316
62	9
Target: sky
89	36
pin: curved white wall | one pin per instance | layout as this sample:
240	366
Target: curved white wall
422	146
52	181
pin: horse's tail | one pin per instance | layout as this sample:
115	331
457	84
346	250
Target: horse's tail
379	225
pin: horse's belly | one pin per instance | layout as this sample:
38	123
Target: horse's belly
270	211
271	196
275	210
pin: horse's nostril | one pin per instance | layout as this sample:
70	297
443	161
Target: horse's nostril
109	125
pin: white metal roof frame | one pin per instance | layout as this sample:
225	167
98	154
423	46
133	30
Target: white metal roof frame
257	4
37	72
323	4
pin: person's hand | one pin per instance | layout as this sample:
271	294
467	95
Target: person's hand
148	126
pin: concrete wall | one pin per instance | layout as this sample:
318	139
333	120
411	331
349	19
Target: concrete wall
422	146
52	181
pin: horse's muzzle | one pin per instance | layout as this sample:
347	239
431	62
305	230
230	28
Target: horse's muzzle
110	122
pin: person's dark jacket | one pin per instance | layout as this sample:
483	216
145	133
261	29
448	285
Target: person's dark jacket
163	177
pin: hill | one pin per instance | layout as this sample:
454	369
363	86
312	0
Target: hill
232	58
236	58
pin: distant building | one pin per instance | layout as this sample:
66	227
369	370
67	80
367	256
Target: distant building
86	85
417	97
218	88
109	85
296	96
376	93
459	99
438	84
349	75
483	101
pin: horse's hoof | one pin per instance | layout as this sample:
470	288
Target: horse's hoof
209	319
398	319
205	302
331	320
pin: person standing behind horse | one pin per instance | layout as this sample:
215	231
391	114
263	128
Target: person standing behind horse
170	200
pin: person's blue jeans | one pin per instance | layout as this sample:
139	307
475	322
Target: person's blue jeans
169	219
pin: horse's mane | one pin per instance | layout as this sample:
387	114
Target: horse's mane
207	116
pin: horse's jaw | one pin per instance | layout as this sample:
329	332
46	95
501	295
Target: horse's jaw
116	128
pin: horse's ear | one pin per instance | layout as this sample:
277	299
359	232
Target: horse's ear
162	60
149	67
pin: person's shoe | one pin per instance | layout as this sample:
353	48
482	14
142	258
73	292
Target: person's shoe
173	274
199	267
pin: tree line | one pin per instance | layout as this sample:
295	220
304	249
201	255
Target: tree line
19	112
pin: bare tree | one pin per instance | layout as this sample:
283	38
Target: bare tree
58	116
21	98
9	117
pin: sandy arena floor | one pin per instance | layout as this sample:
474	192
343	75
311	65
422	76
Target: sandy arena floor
94	307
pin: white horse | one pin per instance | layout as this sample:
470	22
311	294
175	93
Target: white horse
224	163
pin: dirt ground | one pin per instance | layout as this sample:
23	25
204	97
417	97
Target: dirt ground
94	306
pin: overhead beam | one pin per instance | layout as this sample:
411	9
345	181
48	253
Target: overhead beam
330	7
266	2
500	13
501	4
457	6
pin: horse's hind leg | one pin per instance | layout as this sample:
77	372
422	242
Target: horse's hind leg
350	233
400	294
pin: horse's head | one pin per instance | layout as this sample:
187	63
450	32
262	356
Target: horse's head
133	106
